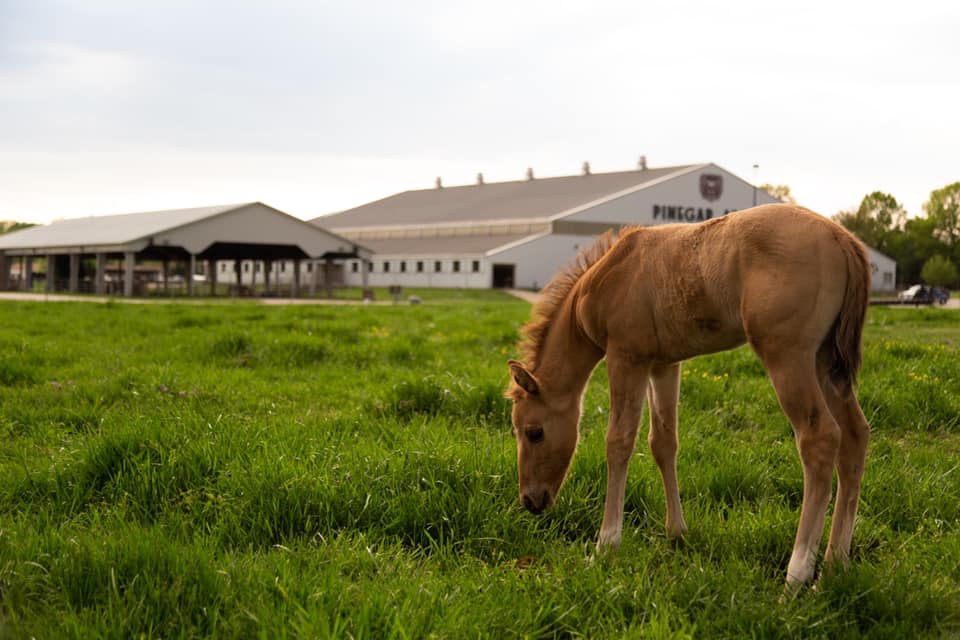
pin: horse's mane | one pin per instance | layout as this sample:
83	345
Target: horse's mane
556	291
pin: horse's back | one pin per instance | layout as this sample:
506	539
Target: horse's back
771	272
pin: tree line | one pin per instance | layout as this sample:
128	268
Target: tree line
9	226
926	248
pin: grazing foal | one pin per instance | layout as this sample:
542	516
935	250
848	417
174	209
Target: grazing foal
791	283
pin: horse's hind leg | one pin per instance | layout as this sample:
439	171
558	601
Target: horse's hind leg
663	396
854	434
794	377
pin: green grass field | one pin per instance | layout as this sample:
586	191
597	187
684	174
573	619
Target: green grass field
251	471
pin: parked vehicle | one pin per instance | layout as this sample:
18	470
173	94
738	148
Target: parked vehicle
922	294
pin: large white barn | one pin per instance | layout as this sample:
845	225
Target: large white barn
517	234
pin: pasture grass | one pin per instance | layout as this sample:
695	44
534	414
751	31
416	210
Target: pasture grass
279	472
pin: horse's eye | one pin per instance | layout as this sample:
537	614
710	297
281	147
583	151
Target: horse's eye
534	434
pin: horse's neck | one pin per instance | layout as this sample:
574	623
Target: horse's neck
567	356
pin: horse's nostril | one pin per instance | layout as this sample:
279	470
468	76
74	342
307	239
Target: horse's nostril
536	505
530	505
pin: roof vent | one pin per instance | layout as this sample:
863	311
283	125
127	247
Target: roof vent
642	163
439	183
479	178
529	173
585	169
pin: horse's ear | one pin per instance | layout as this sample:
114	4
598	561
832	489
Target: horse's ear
524	379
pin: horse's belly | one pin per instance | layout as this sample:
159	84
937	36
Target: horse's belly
699	337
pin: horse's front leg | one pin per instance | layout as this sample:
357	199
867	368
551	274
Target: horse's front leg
628	386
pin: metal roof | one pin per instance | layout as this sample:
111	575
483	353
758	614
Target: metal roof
523	199
442	245
109	230
230	231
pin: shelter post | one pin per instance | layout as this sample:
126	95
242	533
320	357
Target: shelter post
4	271
267	266
296	278
314	266
50	275
166	276
74	284
100	279
236	274
193	271
327	287
129	260
365	273
27	273
212	276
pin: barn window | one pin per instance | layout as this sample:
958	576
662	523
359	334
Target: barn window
437	266
456	266
246	267
475	267
355	266
283	267
419	266
386	267
403	266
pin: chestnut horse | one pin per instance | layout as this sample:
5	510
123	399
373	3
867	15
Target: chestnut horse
791	283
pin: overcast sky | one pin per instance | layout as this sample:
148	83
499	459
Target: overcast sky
113	106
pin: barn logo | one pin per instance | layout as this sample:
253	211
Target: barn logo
711	186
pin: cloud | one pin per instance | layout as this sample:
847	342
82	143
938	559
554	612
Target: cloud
60	71
831	97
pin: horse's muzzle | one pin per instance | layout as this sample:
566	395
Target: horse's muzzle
537	505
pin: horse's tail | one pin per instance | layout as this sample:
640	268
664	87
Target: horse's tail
847	330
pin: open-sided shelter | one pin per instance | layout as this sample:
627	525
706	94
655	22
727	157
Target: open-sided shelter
198	237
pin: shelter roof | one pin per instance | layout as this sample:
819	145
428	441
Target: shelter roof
248	230
538	198
109	230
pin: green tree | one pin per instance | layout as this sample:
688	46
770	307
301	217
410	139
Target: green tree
943	209
912	247
8	226
938	270
877	220
779	191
